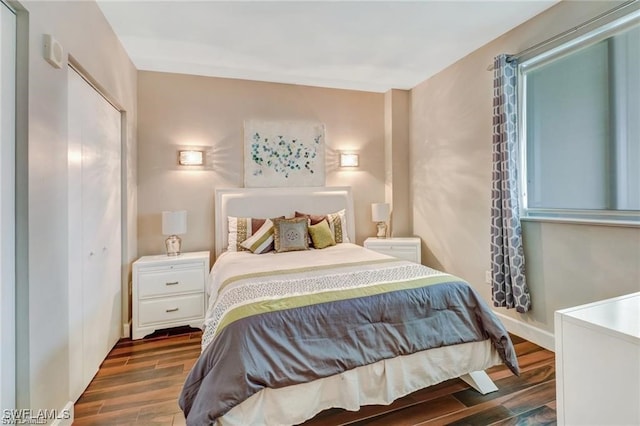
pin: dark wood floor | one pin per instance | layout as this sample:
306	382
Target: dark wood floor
140	381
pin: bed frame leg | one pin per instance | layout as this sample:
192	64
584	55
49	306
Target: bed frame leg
480	381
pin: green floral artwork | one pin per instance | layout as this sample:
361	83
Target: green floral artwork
284	154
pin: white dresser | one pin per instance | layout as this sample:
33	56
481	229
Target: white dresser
169	291
598	362
403	248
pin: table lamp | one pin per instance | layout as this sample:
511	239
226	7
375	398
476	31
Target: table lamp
174	223
380	213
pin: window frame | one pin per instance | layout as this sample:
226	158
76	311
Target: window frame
569	43
8	113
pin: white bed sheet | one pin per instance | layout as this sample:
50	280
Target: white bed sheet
243	262
380	383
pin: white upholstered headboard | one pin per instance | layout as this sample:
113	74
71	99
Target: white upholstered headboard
273	202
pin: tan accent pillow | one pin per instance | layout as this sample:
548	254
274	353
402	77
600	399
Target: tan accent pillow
291	234
314	218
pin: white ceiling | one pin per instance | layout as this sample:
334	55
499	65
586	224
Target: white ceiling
366	45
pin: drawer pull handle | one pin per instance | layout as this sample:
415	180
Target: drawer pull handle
172	283
172	310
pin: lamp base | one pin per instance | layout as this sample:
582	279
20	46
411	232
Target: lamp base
382	230
173	244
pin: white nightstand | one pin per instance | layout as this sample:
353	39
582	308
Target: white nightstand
169	291
403	248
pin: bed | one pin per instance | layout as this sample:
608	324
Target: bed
292	333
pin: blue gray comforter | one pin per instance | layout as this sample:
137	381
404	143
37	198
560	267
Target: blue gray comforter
289	327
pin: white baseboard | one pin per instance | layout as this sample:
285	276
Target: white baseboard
126	329
526	331
65	416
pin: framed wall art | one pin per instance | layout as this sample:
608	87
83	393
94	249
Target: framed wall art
283	153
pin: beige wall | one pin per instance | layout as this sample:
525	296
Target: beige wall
42	305
451	136
396	144
181	110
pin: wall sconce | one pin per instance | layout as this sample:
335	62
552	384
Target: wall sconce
349	160
191	158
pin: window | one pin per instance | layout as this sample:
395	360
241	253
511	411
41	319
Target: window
580	126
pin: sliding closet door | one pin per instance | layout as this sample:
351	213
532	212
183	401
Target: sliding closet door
95	230
7	205
102	299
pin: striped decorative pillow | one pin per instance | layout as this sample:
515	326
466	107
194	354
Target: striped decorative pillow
262	240
241	228
338	225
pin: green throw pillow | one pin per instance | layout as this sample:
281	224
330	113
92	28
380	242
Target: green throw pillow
321	235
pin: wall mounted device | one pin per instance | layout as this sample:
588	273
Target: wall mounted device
53	52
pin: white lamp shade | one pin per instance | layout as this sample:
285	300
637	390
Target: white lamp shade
174	223
380	212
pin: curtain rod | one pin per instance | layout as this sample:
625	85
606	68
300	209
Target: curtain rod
568	32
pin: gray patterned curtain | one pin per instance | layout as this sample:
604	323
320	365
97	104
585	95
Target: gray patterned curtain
509	286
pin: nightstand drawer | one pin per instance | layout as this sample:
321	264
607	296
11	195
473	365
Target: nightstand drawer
171	309
387	246
406	253
169	280
407	248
